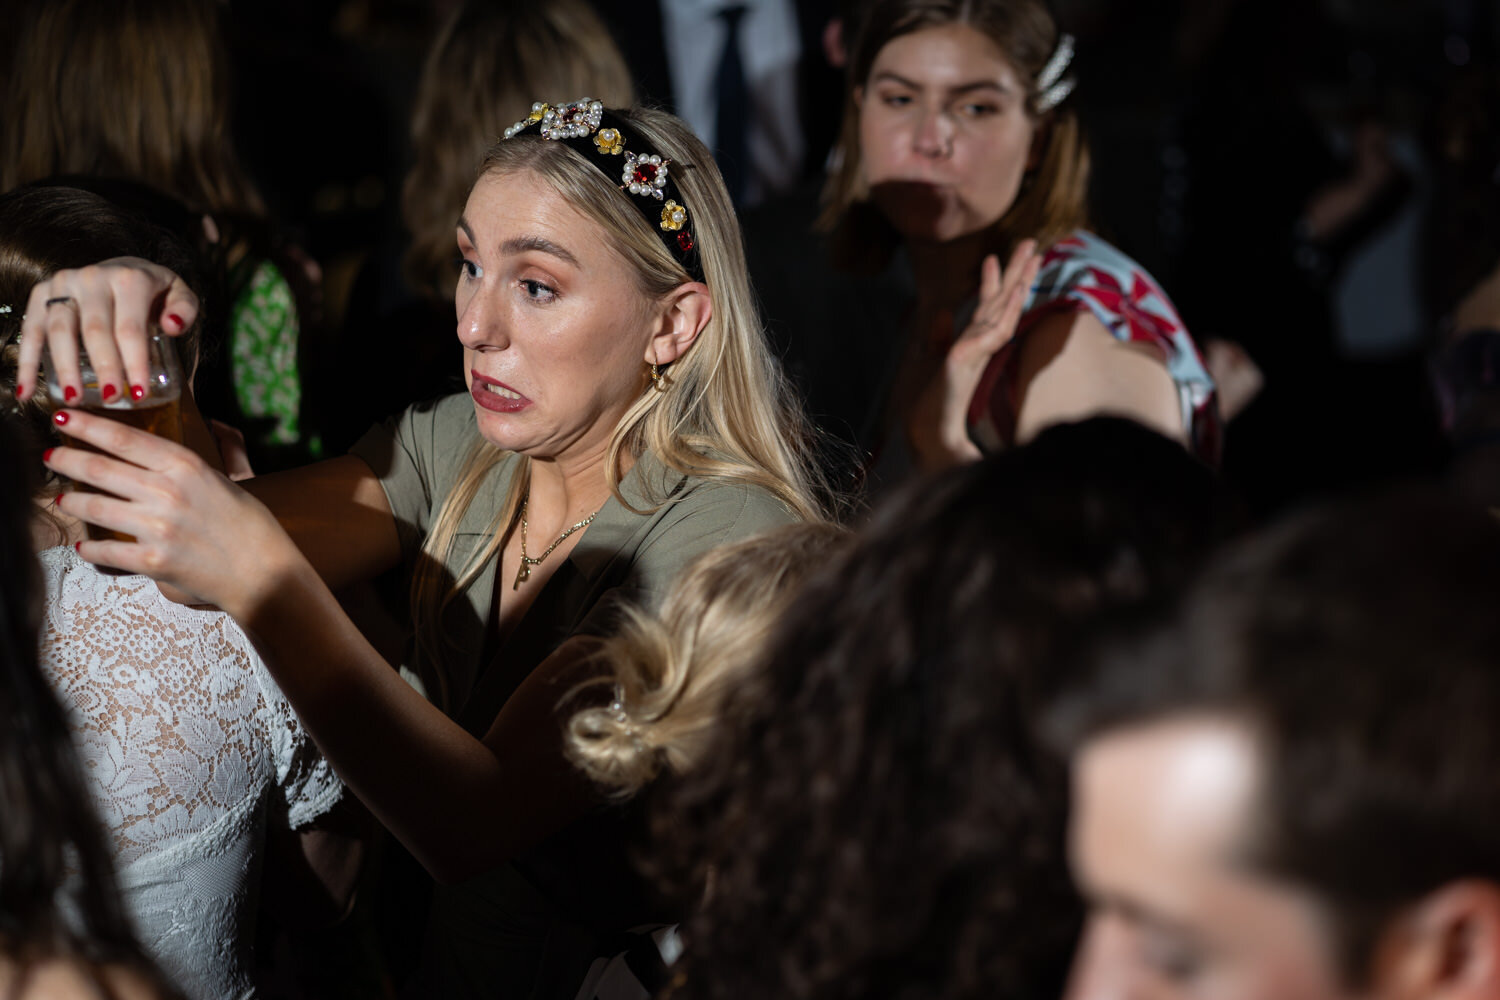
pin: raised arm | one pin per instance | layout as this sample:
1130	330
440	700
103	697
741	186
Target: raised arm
461	805
335	511
337	514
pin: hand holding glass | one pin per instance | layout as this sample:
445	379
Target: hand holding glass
158	410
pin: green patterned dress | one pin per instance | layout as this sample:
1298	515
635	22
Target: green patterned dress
263	346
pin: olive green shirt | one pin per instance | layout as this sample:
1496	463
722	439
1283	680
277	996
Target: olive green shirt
419	457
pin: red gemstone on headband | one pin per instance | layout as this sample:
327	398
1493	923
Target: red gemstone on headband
645	173
685	240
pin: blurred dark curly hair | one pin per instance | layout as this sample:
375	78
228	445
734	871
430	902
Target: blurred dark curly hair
879	818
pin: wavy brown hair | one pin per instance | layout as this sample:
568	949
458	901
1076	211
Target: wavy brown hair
489	62
124	88
1054	196
877	818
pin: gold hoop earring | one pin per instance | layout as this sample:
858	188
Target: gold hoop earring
656	378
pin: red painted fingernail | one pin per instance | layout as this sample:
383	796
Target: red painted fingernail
20	390
108	392
176	320
60	418
78	547
57	500
70	394
137	392
47	455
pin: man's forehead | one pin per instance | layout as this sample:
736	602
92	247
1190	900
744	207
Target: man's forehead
1164	799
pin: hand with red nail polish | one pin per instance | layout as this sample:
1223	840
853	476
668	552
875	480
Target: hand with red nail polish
175	506
70	394
120	300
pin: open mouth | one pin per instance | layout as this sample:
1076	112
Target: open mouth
500	391
496	396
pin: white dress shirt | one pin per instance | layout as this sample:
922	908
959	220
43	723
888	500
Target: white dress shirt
770	46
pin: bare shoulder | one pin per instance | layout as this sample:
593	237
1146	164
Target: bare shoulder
1071	368
64	979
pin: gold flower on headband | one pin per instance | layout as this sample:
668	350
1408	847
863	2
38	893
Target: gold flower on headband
609	141
537	111
673	216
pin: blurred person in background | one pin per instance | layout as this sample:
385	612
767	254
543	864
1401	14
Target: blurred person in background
1278	174
877	817
1284	789
961	147
490	60
1462	277
194	762
749	76
140	89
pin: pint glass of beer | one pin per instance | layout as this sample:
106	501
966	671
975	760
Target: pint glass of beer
158	411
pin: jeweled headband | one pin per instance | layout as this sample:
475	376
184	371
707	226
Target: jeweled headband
606	141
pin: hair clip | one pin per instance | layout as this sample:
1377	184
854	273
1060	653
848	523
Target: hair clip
1052	89
4	310
622	718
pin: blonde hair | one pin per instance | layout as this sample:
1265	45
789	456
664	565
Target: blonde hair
1054	197
487	64
125	88
670	670
728	414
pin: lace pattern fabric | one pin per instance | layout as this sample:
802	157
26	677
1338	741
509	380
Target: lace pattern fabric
189	748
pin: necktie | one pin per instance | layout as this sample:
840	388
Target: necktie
733	116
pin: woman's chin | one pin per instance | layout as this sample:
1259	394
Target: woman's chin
939	232
925	213
928	227
506	431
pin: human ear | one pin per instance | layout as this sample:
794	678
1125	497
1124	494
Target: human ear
685	312
1446	947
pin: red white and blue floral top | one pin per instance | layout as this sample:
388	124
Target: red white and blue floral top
1084	273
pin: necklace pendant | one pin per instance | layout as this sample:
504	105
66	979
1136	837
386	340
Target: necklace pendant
523	573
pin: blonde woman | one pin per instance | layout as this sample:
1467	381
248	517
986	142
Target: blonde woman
486	64
623	416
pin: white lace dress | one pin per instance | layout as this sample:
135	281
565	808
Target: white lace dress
191	750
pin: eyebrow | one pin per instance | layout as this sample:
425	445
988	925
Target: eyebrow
963	88
522	244
1137	913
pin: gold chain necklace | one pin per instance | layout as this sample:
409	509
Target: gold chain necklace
524	572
